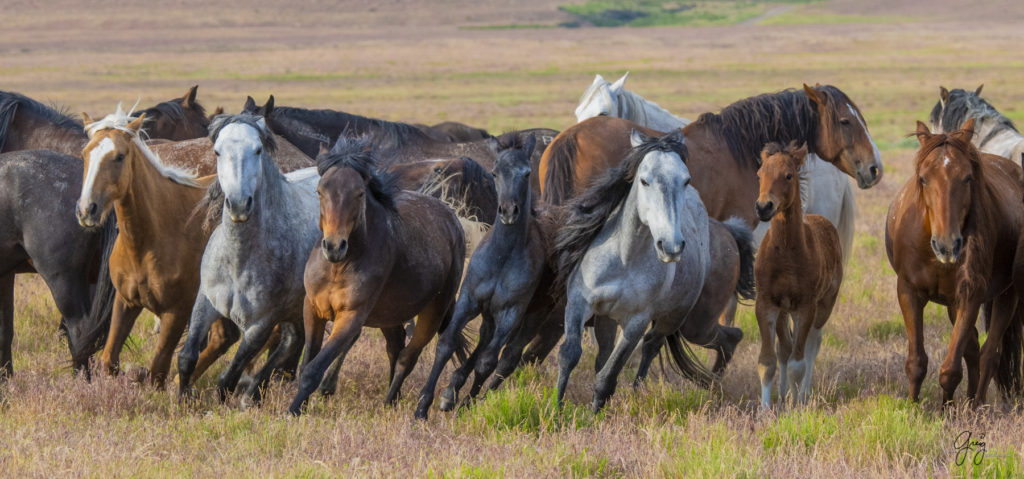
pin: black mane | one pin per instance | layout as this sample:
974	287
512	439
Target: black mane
355	153
783	116
588	212
963	104
10	102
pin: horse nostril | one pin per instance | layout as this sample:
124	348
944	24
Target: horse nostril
768	206
957	243
515	209
248	203
661	245
343	244
92	208
325	245
874	171
682	245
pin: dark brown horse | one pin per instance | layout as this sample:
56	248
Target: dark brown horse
462	179
386	256
724	147
176	119
950	235
798	270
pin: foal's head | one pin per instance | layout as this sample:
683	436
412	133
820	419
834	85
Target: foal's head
108	165
242	144
660	184
348	175
947	169
512	179
779	177
601	98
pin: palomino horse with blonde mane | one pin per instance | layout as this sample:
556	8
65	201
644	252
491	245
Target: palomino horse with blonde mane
824	189
798	270
155	259
950	235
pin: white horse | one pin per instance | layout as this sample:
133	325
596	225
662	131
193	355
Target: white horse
253	264
633	250
993	132
824	189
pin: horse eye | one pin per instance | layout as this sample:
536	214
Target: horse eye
968	179
216	153
923	182
259	151
644	182
119	157
789	176
844	121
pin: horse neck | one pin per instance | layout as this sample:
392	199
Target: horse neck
646	113
509	237
991	136
153	205
788	224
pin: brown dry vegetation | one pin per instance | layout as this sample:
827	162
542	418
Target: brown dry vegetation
407	60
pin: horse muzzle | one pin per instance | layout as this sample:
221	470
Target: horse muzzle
239	211
508	213
90	216
334	251
669	253
869	176
765	209
947	250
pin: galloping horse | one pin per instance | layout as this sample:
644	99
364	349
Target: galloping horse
994	132
724	147
950	235
501	282
253	264
798	270
825	190
386	256
155	259
634	250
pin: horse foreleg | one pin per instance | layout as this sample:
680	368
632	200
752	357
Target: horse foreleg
506	321
605	382
347	327
172	326
451	394
577	311
313	327
652	343
203	316
290	342
951	371
767	315
222	335
394	341
465	310
512	355
427	325
803	321
784	336
972	352
912	307
121	321
605	329
6	326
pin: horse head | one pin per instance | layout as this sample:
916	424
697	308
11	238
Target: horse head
512	179
660	184
600	99
779	178
242	144
843	138
108	171
947	168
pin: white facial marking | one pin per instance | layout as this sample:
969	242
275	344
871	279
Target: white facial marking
878	155
96	156
945	162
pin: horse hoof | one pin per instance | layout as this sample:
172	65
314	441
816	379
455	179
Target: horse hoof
244	382
596	406
448	399
137	374
246	403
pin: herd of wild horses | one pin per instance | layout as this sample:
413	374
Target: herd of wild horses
265	226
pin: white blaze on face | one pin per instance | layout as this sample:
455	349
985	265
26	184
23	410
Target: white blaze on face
96	155
878	155
945	161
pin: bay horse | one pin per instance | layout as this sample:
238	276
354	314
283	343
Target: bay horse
264	226
633	250
393	142
501	280
798	270
385	256
176	119
155	259
825	190
950	236
994	132
724	147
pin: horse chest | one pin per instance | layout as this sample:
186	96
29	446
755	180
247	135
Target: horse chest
138	284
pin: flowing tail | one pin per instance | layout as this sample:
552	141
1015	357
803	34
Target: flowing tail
687	363
745	244
1010	373
97	325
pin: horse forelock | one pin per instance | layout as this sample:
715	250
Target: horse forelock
119	121
256	122
355	153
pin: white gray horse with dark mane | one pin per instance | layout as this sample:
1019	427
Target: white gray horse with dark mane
634	252
824	190
266	225
993	132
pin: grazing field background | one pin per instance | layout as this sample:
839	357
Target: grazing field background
504	65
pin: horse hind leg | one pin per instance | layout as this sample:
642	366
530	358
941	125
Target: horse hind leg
6	326
507	320
972	352
725	342
652	343
394	340
429	321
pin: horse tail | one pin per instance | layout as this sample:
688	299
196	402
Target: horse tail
686	362
560	179
441	186
97	325
1010	373
740	232
846	217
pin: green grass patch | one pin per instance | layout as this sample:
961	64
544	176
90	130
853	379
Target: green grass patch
897	430
649	13
529	410
802	428
587	464
716	453
884	330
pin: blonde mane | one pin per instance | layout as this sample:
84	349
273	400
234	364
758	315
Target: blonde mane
119	120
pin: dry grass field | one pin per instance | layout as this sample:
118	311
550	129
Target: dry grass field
441	60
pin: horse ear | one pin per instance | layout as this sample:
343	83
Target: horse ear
86	120
218	111
494	145
529	144
637	138
814	95
801	154
943	95
323	149
621	82
966	131
598	79
136	124
190	97
269	106
250	104
923	133
978	91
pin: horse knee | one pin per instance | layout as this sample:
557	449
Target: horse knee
916	369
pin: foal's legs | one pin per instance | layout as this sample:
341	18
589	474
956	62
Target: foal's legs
507	320
767	315
604	383
546	339
465	310
121	321
803	321
912	307
784	335
451	394
512	355
6	326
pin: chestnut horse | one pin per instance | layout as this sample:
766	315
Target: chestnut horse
386	255
798	271
155	259
950	235
724	147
